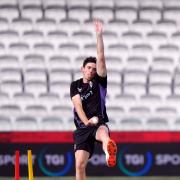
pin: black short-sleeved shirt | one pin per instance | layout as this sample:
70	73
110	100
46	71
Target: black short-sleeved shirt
93	98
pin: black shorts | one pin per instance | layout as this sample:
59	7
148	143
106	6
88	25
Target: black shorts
85	138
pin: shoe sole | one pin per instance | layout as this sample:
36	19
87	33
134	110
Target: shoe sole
112	150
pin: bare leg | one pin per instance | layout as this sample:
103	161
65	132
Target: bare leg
81	157
108	145
102	135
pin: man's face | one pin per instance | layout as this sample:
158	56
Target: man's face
89	71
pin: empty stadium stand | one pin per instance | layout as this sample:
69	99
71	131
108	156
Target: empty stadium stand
43	44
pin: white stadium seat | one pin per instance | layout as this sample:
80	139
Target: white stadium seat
114	76
114	63
12	110
126	3
105	14
78	3
35	87
39	75
138	24
8	3
57	37
9	61
109	37
4	98
135	76
172	14
9	12
114	111
127	14
52	123
54	3
166	111
46	25
140	111
23	3
157	124
59	62
23	99
3	24
31	37
11	74
160	76
118	26
82	37
100	3
21	25
156	89
151	3
69	25
169	50
80	13
64	111
6	124
32	12
49	100
176	125
19	49
36	110
152	14
151	101
34	61
60	75
135	88
113	89
11	87
8	37
56	13
172	4
176	89
173	101
160	63
137	63
124	101
130	124
60	88
166	26
131	37
26	123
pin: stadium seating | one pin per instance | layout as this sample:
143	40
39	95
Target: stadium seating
26	123
6	123
43	44
52	123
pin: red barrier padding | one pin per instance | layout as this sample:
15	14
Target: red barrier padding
67	137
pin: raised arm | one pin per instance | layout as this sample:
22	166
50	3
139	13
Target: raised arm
101	64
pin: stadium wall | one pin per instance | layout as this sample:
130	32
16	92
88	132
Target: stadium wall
139	154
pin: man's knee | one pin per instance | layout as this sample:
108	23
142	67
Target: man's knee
81	166
103	130
102	133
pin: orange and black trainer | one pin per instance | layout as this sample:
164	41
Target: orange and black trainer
111	153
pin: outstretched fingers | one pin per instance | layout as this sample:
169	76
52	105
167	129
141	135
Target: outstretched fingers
98	26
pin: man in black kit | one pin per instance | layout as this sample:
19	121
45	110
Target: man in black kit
88	97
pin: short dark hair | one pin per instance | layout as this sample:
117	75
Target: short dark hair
89	60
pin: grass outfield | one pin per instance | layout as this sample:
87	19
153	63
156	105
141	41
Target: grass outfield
97	178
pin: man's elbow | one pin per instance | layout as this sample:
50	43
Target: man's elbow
102	73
